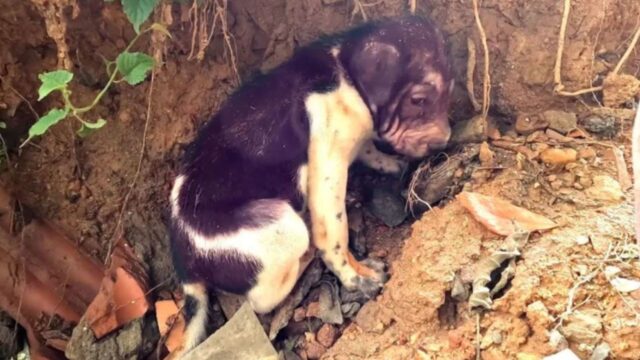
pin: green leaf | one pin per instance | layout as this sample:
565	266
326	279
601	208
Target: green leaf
53	80
44	123
134	66
3	125
138	11
161	28
88	128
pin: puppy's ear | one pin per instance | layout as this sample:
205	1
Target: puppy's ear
376	67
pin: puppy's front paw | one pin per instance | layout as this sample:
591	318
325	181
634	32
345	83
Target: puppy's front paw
370	283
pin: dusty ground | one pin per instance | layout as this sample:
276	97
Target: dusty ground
82	184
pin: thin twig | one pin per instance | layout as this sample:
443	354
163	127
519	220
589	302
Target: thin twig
627	53
123	208
471	67
557	74
635	160
486	86
412	6
478	340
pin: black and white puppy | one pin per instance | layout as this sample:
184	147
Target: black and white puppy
283	143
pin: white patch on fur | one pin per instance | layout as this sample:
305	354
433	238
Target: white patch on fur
196	329
175	195
303	172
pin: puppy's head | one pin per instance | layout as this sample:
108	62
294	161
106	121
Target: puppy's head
402	71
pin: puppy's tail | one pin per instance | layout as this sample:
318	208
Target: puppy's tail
196	304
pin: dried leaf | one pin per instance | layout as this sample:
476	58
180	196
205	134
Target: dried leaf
502	217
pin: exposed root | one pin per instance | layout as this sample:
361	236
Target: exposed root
54	18
412	6
359	6
471	67
635	161
557	70
486	85
412	196
125	201
205	16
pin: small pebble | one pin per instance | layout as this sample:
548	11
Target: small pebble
327	335
582	240
559	156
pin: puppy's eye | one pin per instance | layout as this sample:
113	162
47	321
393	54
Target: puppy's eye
418	100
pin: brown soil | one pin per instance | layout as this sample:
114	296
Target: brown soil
81	184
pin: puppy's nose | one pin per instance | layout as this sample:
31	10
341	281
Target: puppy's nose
439	145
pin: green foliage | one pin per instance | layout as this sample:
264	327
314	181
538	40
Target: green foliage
44	123
134	66
88	128
138	11
51	81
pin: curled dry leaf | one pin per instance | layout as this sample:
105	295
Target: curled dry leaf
502	217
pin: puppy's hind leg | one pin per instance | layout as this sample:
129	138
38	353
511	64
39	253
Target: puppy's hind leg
195	307
283	255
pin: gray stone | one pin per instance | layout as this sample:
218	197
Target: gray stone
240	338
329	300
583	327
387	206
604	126
560	121
470	131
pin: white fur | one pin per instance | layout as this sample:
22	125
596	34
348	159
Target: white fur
196	329
303	173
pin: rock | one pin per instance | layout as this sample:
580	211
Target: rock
357	240
329	310
557	341
327	335
601	352
387	206
560	121
299	314
587	153
242	337
527	356
471	131
605	189
625	285
559	156
529	124
289	355
565	354
313	349
313	309
583	327
284	312
128	343
618	89
349	310
582	240
486	156
604	126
